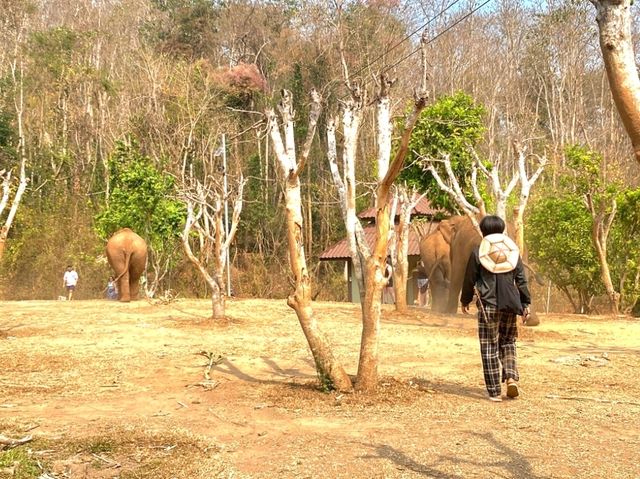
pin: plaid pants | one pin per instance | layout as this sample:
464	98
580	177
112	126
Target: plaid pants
498	332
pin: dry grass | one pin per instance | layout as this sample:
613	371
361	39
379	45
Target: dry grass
115	390
119	451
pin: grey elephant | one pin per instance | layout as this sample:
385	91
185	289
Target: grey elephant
434	254
127	255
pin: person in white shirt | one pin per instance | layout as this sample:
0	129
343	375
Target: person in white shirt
69	281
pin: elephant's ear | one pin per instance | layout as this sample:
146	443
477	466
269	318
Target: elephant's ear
451	226
446	230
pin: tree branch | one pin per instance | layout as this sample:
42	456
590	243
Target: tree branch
316	107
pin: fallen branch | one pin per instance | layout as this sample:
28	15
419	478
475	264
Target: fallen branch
111	463
582	398
8	443
207	385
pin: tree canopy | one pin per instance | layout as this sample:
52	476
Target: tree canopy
451	126
142	198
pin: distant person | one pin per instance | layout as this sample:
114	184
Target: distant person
422	282
111	289
388	293
496	274
70	281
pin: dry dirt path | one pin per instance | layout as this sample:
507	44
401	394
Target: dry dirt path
112	390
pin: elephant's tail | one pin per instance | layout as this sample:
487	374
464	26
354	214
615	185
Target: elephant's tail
434	268
127	260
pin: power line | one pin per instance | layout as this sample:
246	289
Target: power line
407	37
431	40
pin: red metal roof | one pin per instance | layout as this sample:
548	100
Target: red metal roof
423	207
340	250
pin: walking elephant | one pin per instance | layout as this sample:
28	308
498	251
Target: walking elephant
434	254
464	238
127	255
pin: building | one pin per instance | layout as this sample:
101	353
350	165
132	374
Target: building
423	211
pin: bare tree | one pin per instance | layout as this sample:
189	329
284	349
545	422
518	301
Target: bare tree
406	200
351	118
6	193
17	83
616	43
367	379
526	182
499	192
330	372
204	238
452	187
369	262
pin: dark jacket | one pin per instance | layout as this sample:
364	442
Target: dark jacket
496	289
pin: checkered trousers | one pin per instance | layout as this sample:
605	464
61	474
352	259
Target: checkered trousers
498	332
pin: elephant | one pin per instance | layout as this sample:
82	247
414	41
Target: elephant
127	255
434	254
464	238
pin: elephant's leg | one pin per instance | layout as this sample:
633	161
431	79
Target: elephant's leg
123	286
136	270
439	291
455	286
440	296
134	287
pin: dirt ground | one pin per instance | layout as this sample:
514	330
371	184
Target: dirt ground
111	390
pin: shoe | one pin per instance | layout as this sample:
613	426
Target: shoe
495	398
512	388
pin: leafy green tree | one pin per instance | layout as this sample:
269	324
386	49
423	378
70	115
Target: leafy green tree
583	234
625	250
451	126
586	179
559	238
143	199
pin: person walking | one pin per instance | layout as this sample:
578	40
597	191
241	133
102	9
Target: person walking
495	273
422	283
69	281
111	290
388	293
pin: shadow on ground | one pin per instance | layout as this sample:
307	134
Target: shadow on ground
509	462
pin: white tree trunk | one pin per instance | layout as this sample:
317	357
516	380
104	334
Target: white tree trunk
526	183
203	199
367	378
22	185
217	298
406	200
352	116
330	372
455	192
358	248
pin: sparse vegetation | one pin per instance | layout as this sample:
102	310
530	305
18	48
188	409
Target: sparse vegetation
18	463
120	386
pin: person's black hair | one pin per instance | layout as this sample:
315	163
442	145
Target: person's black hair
491	225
